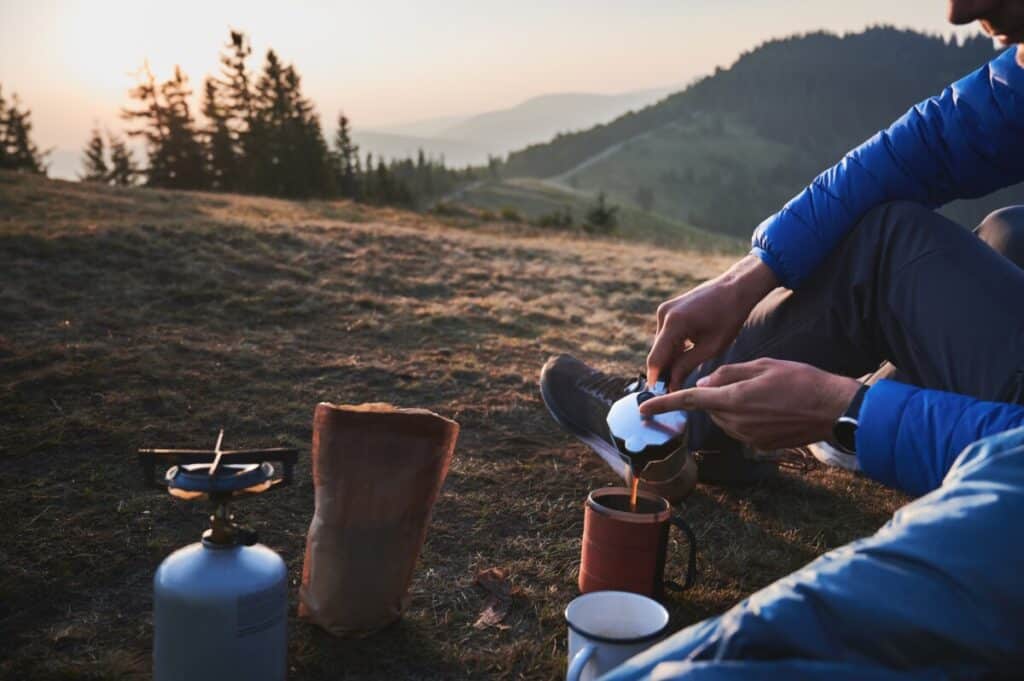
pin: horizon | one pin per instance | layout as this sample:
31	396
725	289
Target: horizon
72	64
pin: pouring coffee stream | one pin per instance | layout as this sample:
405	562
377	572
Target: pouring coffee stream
642	440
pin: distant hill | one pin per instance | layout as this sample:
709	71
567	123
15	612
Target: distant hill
392	146
729	150
426	127
541	118
471	139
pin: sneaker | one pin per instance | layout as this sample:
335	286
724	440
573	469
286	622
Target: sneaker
830	455
579	397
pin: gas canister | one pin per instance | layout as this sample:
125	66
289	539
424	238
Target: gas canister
220	605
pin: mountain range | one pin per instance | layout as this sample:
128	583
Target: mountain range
470	140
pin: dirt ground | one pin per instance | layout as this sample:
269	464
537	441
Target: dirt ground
134	318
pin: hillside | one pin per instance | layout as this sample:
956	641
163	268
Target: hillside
729	150
140	317
534	198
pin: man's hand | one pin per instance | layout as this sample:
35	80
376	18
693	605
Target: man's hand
767	403
700	324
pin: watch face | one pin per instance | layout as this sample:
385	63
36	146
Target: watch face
844	432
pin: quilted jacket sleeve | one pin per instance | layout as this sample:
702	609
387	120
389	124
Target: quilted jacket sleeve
909	437
964	143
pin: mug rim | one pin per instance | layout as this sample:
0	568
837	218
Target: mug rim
661	515
618	641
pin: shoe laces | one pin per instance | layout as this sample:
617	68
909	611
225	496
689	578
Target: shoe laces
610	388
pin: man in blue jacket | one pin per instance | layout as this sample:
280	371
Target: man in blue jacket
857	270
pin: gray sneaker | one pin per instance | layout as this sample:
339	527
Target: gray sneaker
579	397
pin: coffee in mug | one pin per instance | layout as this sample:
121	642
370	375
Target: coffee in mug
624	549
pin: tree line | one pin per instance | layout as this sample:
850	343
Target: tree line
258	134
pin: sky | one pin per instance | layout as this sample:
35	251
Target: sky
388	62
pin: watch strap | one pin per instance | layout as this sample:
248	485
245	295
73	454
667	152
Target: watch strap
853	410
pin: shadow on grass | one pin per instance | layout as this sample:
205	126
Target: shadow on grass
404	650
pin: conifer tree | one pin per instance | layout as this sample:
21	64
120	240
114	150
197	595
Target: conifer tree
94	160
20	152
219	147
236	89
297	157
123	169
3	130
167	125
346	156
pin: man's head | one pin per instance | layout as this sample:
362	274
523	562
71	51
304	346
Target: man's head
1001	19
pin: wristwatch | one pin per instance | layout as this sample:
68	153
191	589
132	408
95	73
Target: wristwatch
844	430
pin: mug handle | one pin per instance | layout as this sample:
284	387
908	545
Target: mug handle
691	563
579	662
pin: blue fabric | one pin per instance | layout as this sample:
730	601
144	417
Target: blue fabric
908	437
935	593
964	143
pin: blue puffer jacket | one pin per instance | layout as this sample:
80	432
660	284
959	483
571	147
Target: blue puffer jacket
964	143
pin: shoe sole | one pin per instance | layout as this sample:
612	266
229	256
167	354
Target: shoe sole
608	454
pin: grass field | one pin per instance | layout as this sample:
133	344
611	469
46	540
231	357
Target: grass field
136	318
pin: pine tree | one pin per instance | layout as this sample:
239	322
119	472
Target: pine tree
94	160
166	123
219	146
296	162
123	169
184	150
20	152
601	218
3	131
346	158
235	86
271	109
382	183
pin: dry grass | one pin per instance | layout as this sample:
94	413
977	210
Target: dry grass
136	317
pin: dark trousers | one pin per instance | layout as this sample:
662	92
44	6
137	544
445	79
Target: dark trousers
908	295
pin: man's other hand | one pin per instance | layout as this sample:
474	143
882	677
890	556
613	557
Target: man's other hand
699	324
767	403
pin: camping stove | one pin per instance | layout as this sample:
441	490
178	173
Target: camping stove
220	605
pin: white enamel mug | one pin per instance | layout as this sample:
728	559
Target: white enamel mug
606	628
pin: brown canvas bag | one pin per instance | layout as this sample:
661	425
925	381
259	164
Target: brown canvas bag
377	471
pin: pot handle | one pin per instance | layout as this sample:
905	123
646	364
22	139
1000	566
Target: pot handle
691	563
579	662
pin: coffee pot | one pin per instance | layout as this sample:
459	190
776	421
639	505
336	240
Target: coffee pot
642	440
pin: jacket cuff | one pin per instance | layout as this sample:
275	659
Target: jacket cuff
879	422
770	260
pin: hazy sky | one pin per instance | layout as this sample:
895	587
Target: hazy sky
394	61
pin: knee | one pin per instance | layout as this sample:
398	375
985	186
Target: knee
1003	230
885	217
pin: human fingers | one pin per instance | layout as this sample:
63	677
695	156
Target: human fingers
690	400
728	374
